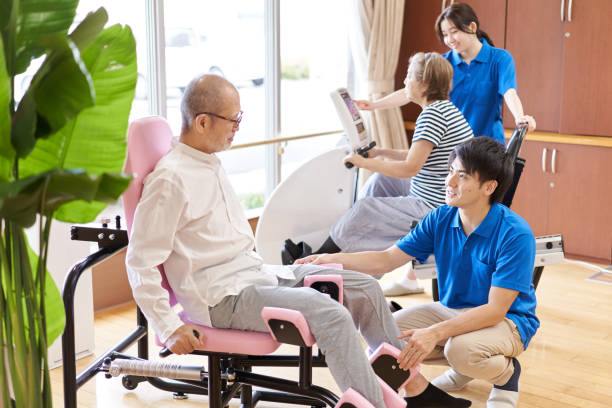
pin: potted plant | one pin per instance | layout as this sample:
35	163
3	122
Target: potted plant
62	146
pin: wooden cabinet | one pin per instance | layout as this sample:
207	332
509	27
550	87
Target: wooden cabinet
562	59
567	189
419	34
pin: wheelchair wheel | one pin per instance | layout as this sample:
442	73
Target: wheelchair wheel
128	382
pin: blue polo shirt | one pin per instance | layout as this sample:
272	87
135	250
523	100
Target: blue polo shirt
479	88
499	252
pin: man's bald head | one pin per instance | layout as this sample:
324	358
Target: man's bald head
206	93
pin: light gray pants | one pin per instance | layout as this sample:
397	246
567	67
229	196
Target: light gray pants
381	216
332	325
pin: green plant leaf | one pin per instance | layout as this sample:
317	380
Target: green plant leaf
6	148
5	13
37	19
54	304
96	140
84	34
21	200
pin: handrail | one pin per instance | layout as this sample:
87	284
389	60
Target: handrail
282	139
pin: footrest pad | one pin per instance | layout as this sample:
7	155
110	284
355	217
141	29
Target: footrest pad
385	365
328	284
288	326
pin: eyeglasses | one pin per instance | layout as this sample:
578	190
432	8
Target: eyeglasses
235	121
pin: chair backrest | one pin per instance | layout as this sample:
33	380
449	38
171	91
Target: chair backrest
513	149
149	139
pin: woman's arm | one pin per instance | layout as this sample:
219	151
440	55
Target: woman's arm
414	161
516	108
393	100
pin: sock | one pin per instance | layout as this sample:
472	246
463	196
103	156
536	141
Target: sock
451	380
328	247
435	397
512	384
506	396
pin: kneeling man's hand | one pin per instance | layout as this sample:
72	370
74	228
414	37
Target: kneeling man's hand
184	341
316	259
419	343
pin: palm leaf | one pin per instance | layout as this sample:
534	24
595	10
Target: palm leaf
37	19
95	141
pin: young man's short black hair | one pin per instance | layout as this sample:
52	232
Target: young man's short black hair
487	157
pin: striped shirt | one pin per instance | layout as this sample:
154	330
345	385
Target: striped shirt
442	124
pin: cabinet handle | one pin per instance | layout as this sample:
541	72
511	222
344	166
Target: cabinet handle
444	4
544	151
553	161
562	10
569	11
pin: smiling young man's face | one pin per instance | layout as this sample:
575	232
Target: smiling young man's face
464	190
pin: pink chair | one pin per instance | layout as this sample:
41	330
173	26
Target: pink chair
230	352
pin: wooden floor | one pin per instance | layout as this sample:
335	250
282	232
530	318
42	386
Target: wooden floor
568	363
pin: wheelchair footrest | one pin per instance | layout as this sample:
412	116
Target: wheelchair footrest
288	326
385	365
328	284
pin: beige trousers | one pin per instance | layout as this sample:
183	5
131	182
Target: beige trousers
485	354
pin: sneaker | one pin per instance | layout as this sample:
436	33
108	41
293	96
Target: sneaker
292	251
399	289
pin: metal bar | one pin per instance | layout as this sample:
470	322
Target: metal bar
214	382
569	11
156	57
283	139
537	274
305	380
553	161
562	10
93	368
227	396
272	80
285	398
143	342
68	341
281	361
259	380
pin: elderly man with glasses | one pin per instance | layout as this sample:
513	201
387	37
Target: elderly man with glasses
190	220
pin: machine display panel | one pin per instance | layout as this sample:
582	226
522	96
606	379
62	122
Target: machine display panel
350	105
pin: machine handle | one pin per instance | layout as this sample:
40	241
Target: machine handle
562	10
544	151
553	161
569	11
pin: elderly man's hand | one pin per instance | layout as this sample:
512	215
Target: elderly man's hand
183	340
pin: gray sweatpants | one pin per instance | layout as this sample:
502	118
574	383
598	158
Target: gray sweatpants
332	325
381	216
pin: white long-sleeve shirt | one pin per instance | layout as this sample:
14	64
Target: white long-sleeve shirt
190	220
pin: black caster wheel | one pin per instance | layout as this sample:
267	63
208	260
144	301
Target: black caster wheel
128	382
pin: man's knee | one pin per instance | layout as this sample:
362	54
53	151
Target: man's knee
461	353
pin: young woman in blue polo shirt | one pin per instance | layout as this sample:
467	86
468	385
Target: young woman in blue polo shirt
484	76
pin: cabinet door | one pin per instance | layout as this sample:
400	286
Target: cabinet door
587	84
418	34
532	193
534	36
579	206
492	17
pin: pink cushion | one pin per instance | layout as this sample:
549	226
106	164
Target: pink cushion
386	348
293	316
353	397
232	341
337	279
390	396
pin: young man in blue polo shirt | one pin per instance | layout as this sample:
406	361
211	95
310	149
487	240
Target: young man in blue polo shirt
484	256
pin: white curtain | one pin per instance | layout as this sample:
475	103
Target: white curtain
375	37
